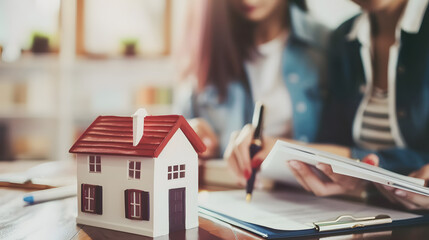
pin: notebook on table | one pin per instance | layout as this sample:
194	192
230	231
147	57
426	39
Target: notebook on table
275	167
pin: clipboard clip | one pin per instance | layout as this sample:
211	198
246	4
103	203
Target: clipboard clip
350	222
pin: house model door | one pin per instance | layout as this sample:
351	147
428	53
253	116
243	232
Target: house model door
177	209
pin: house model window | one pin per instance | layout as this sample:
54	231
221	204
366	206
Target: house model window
176	171
136	204
91	199
131	192
134	169
95	164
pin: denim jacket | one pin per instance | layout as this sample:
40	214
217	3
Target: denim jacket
347	79
303	71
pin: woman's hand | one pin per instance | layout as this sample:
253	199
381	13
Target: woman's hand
237	153
335	184
207	135
409	200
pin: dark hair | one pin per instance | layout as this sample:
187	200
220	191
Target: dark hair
224	41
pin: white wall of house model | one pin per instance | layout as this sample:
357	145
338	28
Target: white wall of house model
173	174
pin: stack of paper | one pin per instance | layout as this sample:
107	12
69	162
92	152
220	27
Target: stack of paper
287	214
275	167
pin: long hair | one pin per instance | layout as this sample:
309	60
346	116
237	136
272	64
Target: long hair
218	43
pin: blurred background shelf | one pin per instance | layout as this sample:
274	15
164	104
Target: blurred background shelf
29	62
64	62
61	67
16	114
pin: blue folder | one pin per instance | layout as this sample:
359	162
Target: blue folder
269	233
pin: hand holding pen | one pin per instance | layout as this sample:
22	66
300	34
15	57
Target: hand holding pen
255	146
237	153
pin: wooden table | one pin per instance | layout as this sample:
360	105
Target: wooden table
56	220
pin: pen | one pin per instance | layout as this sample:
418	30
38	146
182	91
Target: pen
255	146
50	194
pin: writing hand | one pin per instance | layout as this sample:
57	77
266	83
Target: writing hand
237	153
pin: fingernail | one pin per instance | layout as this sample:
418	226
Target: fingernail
400	193
320	166
207	141
295	165
256	163
369	161
246	174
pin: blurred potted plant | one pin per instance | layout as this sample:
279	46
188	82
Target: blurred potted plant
130	46
40	43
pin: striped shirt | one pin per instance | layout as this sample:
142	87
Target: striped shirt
375	132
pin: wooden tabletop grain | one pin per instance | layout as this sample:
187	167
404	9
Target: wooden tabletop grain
56	220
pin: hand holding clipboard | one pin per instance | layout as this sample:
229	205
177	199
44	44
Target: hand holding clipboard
283	152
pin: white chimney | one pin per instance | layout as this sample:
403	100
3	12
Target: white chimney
138	125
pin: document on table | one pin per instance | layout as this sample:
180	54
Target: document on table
290	211
275	167
42	176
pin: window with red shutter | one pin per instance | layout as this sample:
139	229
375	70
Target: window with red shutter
136	204
91	199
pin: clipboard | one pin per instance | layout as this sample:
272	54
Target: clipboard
336	225
268	233
350	222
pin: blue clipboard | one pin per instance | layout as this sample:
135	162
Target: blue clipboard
269	233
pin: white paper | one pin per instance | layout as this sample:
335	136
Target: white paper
288	210
275	167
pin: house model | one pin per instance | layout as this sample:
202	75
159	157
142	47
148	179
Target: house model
138	174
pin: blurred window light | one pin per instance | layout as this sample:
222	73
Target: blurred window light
109	24
332	12
11	52
19	20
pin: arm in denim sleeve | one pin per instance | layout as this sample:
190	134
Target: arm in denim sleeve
184	101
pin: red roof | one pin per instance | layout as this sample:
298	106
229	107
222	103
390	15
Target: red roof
114	136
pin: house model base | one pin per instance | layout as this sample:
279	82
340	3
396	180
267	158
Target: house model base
138	174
